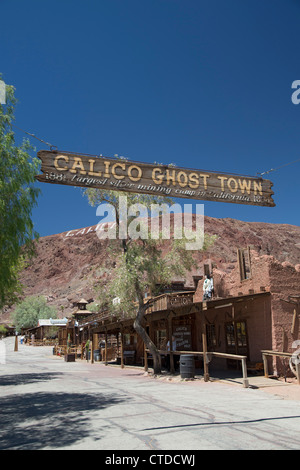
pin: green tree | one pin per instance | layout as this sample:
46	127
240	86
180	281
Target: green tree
3	330
31	310
140	266
18	196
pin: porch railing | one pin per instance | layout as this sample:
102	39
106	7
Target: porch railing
266	353
209	356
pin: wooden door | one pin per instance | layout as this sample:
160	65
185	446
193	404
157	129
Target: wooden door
236	341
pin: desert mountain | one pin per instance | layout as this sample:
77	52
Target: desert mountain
69	265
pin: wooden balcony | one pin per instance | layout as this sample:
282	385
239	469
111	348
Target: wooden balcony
169	301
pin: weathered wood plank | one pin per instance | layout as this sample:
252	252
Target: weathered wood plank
123	175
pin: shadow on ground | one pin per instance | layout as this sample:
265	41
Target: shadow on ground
23	379
34	421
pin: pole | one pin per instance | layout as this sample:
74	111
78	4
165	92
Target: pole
265	361
204	344
245	378
172	368
16	343
105	356
118	345
92	351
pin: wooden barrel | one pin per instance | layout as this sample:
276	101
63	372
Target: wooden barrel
97	355
187	366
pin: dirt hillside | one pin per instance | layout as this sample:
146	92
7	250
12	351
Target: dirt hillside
69	265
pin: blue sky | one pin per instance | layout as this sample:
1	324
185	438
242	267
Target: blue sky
201	84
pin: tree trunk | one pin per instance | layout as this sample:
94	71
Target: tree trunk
147	340
139	319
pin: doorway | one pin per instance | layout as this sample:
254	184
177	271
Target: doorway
236	341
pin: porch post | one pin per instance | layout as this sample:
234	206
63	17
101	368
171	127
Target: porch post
245	379
172	368
105	351
204	344
93	347
117	338
265	361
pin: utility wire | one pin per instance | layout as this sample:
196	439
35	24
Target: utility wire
52	147
274	169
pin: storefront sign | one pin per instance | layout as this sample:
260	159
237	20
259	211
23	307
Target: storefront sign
180	300
183	336
124	175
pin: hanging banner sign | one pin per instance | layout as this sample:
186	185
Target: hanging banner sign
125	175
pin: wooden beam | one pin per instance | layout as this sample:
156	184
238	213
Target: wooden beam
170	332
266	368
245	378
204	345
198	328
68	168
92	350
105	351
294	321
117	338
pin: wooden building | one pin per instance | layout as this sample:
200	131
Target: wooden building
81	312
47	328
75	328
239	326
255	308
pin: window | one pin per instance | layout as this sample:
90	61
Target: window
236	333
161	338
241	335
126	339
230	336
244	262
211	335
206	270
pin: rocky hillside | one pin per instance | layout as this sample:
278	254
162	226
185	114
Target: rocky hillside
69	265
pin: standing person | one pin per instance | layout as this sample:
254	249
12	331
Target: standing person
207	288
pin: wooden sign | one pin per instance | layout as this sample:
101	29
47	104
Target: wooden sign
179	300
124	175
183	336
